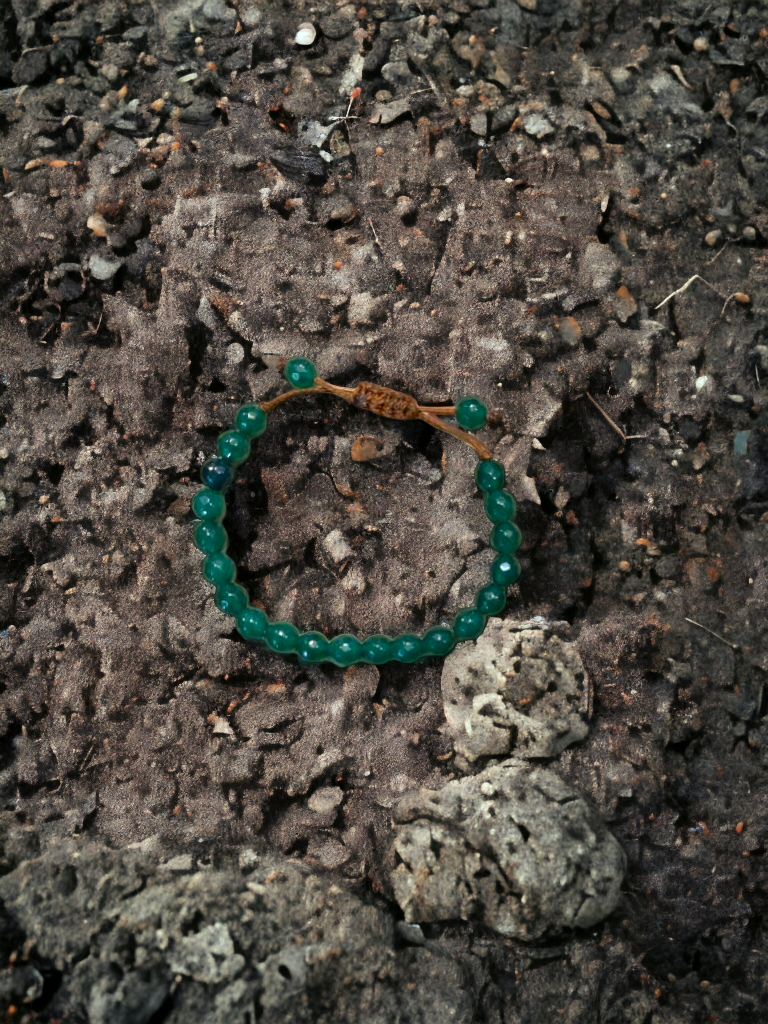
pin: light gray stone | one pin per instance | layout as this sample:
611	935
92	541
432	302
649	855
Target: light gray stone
514	846
515	691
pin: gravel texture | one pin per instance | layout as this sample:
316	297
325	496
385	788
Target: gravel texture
188	198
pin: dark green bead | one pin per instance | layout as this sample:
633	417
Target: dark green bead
471	414
231	598
406	648
490	475
490	599
216	474
506	538
219	569
437	641
233	447
300	373
209	505
210	538
468	624
312	647
505	570
251	420
345	650
282	637
500	506
377	649
252	623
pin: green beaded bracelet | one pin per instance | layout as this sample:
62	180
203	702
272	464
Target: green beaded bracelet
234	446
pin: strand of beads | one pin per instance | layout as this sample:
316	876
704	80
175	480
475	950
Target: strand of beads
210	537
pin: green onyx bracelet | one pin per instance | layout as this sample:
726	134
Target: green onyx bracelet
210	537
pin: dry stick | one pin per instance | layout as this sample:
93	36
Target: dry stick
710	262
378	240
712	632
616	427
687	285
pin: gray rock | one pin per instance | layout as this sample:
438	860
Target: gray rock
31	66
538	126
103	268
514	691
514	846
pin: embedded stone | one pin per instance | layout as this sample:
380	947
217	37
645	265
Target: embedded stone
515	691
514	847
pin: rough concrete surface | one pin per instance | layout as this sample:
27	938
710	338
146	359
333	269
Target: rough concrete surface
194	829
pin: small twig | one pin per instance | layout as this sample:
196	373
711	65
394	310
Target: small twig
725	304
710	262
378	240
616	427
712	632
687	285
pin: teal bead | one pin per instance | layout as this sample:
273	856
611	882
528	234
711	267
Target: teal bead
219	569
490	475
312	647
468	624
471	414
300	373
251	420
282	637
506	538
233	447
406	648
345	650
437	641
505	570
210	538
209	505
500	506
252	623
231	598
216	474
490	599
377	649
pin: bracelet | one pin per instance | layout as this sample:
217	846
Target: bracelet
210	537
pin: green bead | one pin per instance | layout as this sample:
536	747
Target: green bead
209	505
219	569
437	641
490	475
300	373
471	414
506	538
500	506
505	570
490	599
468	624
312	647
406	648
282	637
231	598
210	538
345	650
252	623
377	649
233	447
251	420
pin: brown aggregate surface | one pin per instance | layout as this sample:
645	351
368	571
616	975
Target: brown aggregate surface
523	184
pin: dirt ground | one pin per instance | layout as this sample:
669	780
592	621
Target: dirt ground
197	830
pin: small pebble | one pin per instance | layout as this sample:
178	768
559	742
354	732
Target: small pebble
713	237
700	44
749	234
306	34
